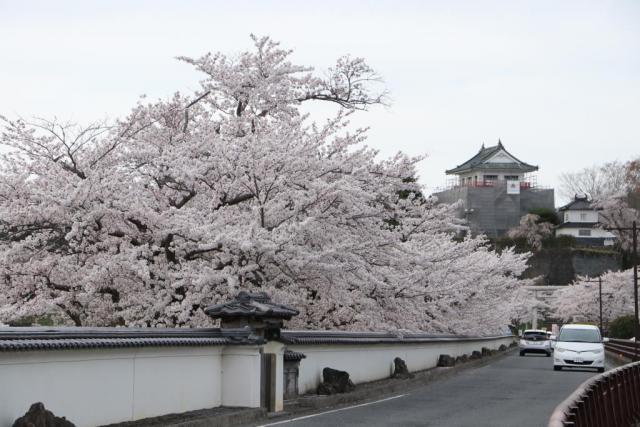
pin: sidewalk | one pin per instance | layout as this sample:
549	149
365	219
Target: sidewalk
216	417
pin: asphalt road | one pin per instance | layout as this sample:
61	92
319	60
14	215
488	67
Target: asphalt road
512	391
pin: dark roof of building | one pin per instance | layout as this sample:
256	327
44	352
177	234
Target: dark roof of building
477	161
340	337
293	356
578	225
63	338
251	305
592	241
579	203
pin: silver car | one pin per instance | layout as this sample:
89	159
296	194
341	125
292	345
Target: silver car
535	341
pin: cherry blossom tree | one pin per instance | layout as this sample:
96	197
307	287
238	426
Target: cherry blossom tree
533	230
632	176
186	201
581	299
616	214
614	188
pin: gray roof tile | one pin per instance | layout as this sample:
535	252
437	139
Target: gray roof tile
252	305
578	225
340	337
579	203
477	161
26	339
293	356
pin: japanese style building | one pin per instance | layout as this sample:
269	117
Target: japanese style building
496	190
581	220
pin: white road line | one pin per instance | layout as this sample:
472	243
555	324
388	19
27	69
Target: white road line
332	411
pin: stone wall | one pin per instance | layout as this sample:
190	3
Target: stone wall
593	263
563	266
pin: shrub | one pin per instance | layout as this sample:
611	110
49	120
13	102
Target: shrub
519	244
559	242
622	327
46	320
546	215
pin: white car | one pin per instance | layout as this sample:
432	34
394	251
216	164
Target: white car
579	346
535	341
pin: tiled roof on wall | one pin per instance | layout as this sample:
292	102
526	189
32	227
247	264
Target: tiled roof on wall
340	337
251	305
27	338
293	356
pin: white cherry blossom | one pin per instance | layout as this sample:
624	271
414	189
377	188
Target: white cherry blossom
187	201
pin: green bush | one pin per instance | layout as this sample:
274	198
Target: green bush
519	244
45	320
546	215
622	327
559	242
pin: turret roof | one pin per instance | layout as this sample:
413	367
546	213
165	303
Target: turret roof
479	161
579	203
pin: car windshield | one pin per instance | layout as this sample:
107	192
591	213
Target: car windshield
535	336
579	335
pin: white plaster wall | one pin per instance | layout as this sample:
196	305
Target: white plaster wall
277	348
501	157
463	178
241	376
576	216
95	387
502	176
568	232
176	380
375	361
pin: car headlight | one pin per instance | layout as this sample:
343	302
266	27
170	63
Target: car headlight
560	349
598	351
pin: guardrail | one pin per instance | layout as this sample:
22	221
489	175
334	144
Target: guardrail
625	348
609	399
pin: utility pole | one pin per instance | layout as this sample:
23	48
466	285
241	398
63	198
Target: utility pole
599	299
635	287
600	296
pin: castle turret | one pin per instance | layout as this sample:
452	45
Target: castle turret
496	190
489	165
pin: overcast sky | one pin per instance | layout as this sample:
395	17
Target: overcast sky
557	81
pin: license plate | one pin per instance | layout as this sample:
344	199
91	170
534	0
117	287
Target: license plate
578	360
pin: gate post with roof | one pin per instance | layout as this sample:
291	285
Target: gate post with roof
265	319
